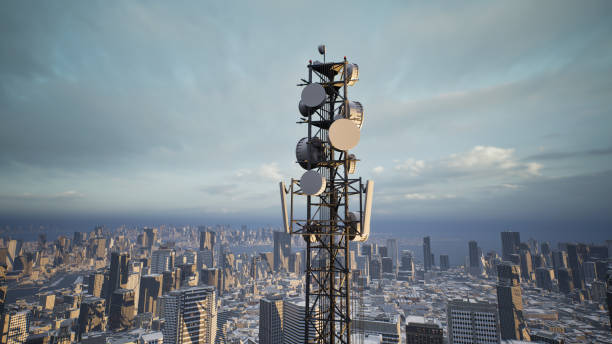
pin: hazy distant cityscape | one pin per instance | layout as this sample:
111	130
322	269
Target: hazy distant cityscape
215	284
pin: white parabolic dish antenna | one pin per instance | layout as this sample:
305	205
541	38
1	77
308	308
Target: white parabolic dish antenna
313	183
344	134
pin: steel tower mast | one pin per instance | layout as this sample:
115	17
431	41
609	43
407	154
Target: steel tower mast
328	226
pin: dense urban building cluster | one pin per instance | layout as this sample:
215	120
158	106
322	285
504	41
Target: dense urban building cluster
223	285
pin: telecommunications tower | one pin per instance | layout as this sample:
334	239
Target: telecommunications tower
328	224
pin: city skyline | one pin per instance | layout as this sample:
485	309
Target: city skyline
138	120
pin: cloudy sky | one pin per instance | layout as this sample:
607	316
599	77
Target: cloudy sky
474	111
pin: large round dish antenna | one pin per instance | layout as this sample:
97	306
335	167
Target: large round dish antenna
312	183
313	96
344	134
304	155
355	113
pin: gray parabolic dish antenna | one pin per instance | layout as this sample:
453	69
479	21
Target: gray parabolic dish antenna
313	96
344	134
316	152
313	183
355	113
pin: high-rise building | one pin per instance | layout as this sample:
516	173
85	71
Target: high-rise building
16	326
406	271
119	269
420	331
96	283
383	251
526	265
206	258
387	265
427	263
474	259
545	278
162	260
121	315
191	315
393	250
271	320
444	262
91	316
210	277
559	260
575	259
207	240
150	236
172	280
510	303
151	288
376	267
609	298
510	243
282	251
564	278
472	322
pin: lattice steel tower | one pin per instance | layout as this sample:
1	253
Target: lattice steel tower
328	225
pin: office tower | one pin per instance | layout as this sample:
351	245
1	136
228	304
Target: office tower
16	326
91	316
295	262
3	290
545	278
510	303
474	258
366	250
96	282
207	240
121	315
172	280
78	238
151	288
472	322
526	265
162	260
387	326
444	262
427	253
293	321
393	251
559	259
575	260
564	277
383	251
406	271
150	236
271	320
210	277
118	276
510	243
282	251
590	271
420	331
206	258
387	265
99	248
190	315
376	267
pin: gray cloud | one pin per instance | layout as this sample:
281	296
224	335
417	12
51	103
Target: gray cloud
569	155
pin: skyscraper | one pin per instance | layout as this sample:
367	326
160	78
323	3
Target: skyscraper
271	320
564	276
510	303
282	251
121	315
162	260
16	326
151	288
474	259
575	259
526	265
472	322
118	276
427	253
510	243
444	262
207	240
150	236
91	316
393	250
545	278
190	314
